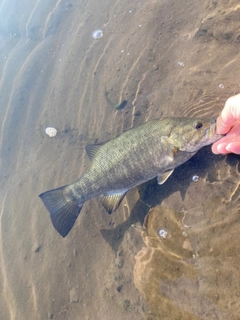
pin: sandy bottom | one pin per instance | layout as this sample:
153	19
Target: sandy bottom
165	58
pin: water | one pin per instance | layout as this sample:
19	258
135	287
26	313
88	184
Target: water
54	72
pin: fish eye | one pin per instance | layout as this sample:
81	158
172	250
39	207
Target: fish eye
198	125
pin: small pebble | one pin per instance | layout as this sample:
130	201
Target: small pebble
221	86
181	64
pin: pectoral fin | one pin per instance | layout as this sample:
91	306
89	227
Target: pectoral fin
172	150
164	176
111	201
166	141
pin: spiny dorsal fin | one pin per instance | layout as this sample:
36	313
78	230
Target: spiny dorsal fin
92	149
112	201
164	176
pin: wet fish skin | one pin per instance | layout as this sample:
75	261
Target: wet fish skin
152	149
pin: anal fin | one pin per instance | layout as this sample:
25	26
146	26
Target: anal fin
111	201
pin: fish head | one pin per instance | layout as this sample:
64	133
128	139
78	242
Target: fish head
191	134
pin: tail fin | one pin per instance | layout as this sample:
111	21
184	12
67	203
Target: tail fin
63	209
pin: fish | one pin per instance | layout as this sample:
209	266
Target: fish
149	150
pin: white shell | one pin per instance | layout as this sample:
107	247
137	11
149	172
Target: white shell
51	132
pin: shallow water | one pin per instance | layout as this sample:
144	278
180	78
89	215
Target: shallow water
165	58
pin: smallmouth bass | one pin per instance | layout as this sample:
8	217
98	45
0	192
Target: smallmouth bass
152	149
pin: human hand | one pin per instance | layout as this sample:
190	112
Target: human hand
229	123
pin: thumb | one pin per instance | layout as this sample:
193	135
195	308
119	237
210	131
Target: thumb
229	116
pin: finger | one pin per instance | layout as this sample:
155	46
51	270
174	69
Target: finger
214	149
221	126
233	147
229	143
229	116
220	148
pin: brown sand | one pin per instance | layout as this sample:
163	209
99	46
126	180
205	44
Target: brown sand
166	58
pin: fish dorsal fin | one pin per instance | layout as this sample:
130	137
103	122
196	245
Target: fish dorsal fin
111	201
164	176
92	149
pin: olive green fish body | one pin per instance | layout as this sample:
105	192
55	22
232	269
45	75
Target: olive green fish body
150	150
